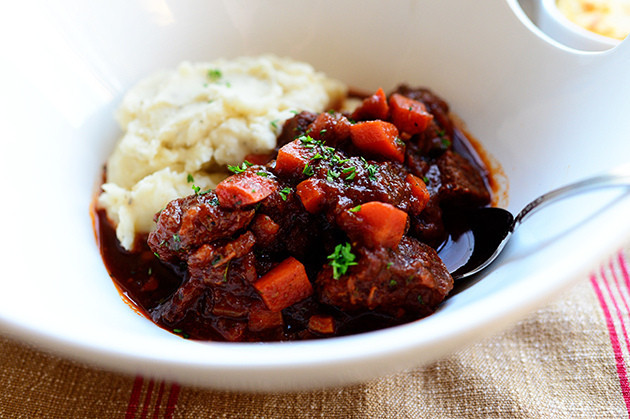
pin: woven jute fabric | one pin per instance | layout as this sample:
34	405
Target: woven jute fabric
569	359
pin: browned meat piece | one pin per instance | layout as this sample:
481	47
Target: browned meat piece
187	223
294	127
210	261
409	280
462	184
428	227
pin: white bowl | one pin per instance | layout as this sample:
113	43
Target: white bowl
555	24
550	116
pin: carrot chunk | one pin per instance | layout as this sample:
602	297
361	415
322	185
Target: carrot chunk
378	138
284	285
311	194
263	319
419	191
408	115
380	224
373	107
324	325
244	189
291	158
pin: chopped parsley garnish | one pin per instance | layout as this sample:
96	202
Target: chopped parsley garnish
446	142
371	169
214	74
350	171
308	170
196	189
190	178
356	209
284	193
274	124
182	333
241	169
341	259
393	283
263	174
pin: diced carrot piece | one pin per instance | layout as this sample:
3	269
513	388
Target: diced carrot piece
330	128
419	191
381	224
409	115
284	285
373	107
311	194
263	319
378	138
244	189
324	325
260	159
291	158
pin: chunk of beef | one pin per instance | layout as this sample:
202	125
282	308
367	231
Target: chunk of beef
408	280
294	127
462	184
187	223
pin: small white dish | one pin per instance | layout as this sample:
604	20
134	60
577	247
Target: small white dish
550	115
555	24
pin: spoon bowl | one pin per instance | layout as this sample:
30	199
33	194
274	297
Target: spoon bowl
490	228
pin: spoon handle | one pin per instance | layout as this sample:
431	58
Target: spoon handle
616	177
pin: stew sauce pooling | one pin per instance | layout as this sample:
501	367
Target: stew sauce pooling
335	235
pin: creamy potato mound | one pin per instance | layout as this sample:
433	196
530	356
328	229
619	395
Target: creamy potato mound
606	17
188	124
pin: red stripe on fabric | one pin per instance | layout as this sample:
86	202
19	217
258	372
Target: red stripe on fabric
172	401
136	390
158	401
614	341
619	287
624	268
614	301
147	400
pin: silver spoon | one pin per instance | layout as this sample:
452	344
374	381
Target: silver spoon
491	228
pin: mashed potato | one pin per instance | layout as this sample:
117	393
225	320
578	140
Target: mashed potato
181	127
606	17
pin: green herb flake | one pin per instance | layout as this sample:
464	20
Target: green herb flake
308	170
241	168
372	169
389	265
263	174
420	299
214	75
393	283
356	209
190	178
341	259
274	123
425	179
284	193
196	189
156	255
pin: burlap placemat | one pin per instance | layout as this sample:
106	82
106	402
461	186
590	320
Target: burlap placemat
567	360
